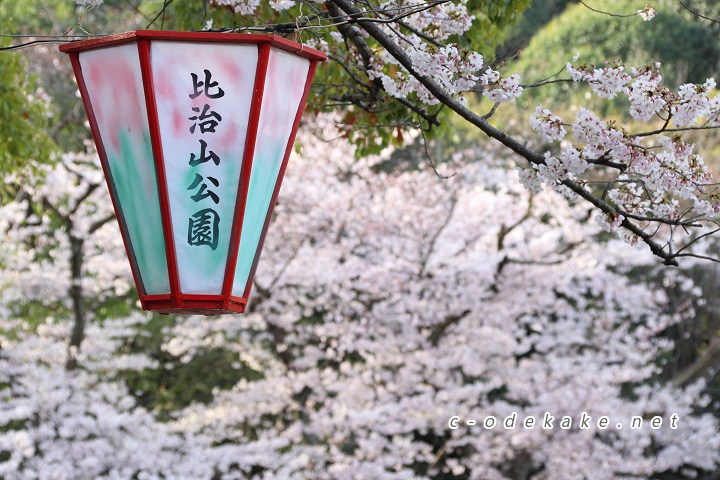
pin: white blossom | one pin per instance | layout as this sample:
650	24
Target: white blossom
647	13
396	315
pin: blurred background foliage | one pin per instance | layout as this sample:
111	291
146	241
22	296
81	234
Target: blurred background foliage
23	114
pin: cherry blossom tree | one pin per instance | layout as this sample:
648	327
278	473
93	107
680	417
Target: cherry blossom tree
386	305
57	241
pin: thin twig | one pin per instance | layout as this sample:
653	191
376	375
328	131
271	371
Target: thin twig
430	160
698	14
607	13
672	130
166	3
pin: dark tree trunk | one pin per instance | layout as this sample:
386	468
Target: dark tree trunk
78	301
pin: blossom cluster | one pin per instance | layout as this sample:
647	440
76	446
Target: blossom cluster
500	89
646	94
550	126
440	22
451	68
658	175
647	13
455	70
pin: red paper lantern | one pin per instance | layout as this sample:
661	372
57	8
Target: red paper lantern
194	131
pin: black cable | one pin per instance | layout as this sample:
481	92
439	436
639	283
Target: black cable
27	44
23	35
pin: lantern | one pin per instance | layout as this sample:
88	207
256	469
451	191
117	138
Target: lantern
194	131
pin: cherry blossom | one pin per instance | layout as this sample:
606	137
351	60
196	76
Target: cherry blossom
647	13
646	95
384	305
548	125
500	89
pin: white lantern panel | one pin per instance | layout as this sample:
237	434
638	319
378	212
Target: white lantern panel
203	94
114	83
284	88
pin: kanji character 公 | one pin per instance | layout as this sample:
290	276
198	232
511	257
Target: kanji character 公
204	192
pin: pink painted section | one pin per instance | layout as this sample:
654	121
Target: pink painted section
112	76
114	84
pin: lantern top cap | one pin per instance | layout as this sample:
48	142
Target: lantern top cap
212	37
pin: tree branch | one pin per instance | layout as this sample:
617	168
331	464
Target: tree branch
376	32
99	223
709	360
436	235
697	14
439	331
606	13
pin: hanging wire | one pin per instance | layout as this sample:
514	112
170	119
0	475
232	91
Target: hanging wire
302	22
17	35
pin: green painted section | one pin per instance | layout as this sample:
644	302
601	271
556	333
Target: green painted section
135	182
262	184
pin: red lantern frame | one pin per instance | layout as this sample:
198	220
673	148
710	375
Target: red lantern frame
177	301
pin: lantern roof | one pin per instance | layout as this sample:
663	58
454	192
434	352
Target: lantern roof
219	37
